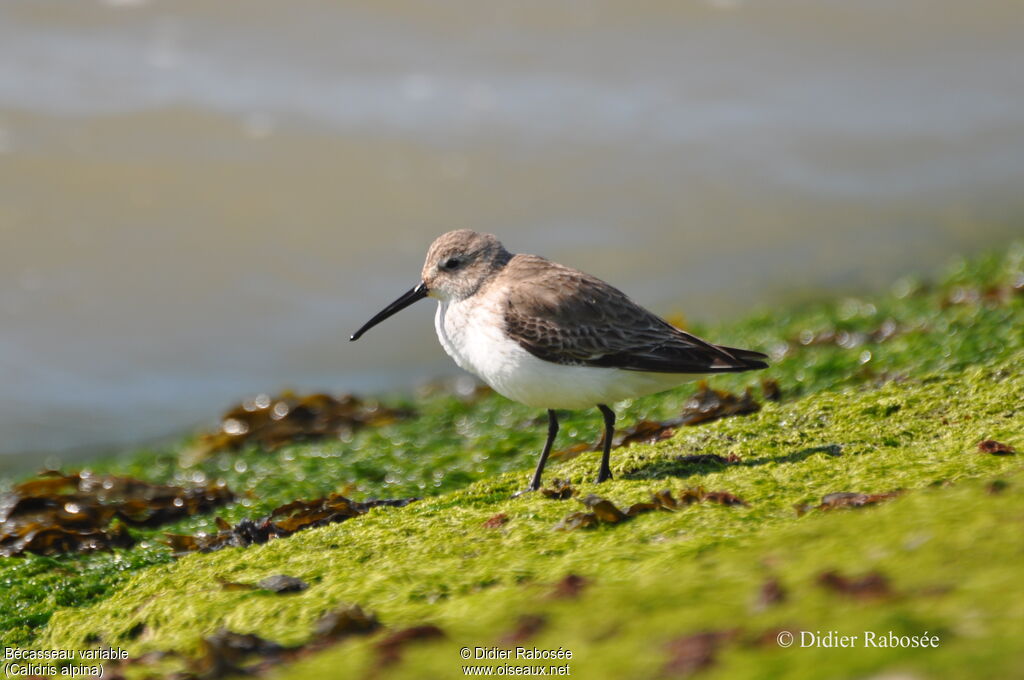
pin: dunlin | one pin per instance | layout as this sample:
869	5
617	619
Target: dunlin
553	337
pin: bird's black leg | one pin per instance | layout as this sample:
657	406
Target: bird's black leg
609	431
552	431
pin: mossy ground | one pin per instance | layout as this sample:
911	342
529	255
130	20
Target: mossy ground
867	416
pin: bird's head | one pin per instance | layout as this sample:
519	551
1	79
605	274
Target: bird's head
458	264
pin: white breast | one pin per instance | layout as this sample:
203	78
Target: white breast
473	334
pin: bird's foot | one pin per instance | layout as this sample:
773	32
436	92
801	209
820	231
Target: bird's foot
604	475
523	492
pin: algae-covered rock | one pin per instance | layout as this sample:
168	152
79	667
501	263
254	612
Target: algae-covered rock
691	562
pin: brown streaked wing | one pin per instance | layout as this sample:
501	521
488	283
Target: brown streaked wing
565	316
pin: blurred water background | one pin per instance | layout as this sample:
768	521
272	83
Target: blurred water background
201	200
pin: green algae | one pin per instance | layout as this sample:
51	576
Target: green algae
906	413
436	561
622	624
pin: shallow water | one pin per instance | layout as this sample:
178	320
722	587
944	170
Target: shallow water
199	201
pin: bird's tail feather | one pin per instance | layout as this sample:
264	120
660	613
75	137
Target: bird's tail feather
746	359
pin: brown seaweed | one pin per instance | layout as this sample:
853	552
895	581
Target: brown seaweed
223	654
389	650
282	521
644	432
496	521
569	587
692	653
724	498
873	585
708	404
699	495
526	627
771	390
848	499
770	594
603	511
559	490
226	653
996	448
577	520
345	621
83	512
272	422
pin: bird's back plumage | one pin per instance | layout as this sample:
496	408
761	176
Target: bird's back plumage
568	317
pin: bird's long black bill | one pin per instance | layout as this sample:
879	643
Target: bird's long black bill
417	293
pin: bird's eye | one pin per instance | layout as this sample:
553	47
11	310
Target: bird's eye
451	264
